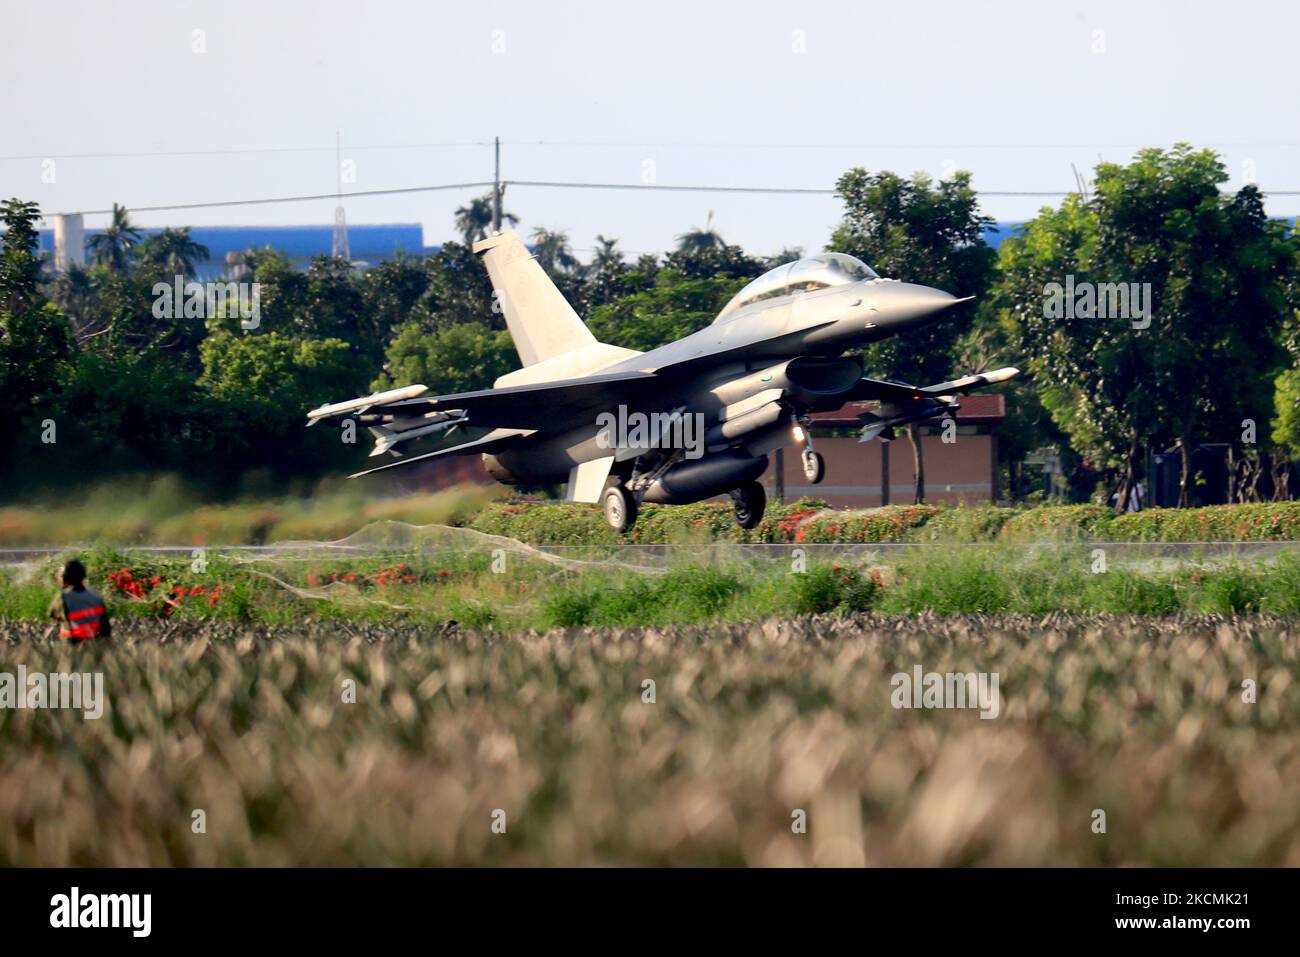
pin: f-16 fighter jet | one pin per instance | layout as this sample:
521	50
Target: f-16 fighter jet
687	421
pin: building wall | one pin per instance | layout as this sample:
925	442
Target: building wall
963	471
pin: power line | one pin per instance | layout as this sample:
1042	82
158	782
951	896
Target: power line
238	151
619	144
794	190
554	184
280	199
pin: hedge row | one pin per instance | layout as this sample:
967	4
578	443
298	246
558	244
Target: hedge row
810	520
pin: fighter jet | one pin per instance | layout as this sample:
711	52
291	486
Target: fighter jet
690	420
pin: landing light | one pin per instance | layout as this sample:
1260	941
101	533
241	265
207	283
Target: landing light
798	433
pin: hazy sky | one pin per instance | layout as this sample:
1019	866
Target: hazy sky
759	93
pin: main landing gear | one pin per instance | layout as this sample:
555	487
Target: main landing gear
620	508
748	502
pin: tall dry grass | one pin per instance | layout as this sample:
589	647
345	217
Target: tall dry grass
1141	718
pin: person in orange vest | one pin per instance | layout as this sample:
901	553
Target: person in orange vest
80	611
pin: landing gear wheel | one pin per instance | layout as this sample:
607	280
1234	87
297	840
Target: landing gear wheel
620	508
814	466
749	501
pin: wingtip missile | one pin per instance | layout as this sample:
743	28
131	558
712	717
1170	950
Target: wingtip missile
365	402
973	381
1001	375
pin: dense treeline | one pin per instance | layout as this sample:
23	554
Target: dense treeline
96	380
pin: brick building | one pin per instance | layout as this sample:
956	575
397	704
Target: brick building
963	471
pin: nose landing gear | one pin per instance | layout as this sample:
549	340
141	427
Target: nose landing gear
814	466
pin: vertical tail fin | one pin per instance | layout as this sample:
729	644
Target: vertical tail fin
540	319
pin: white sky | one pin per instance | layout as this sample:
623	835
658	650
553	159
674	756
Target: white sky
709	93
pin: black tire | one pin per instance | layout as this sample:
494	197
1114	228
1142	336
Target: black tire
620	508
749	501
814	467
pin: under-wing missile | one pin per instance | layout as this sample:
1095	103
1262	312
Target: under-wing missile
386	438
365	402
894	414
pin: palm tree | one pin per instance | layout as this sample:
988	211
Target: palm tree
606	258
175	251
551	247
112	247
698	240
474	221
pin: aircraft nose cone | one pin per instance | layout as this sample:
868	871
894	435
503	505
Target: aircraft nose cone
903	305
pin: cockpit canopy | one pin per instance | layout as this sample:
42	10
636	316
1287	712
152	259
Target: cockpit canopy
805	275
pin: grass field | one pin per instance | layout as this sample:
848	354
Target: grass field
164	510
391	707
491	583
1141	718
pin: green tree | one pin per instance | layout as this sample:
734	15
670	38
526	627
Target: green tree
1216	271
112	247
675	306
1286	398
1286	418
698	240
462	357
607	270
921	232
1027	425
551	247
20	263
174	252
474	221
34	339
723	261
262	386
75	292
391	293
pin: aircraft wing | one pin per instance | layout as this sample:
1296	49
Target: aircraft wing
888	390
541	405
399	415
901	403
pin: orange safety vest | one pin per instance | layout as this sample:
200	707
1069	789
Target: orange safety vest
84	611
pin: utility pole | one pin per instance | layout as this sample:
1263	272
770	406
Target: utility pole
496	185
884	473
779	491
